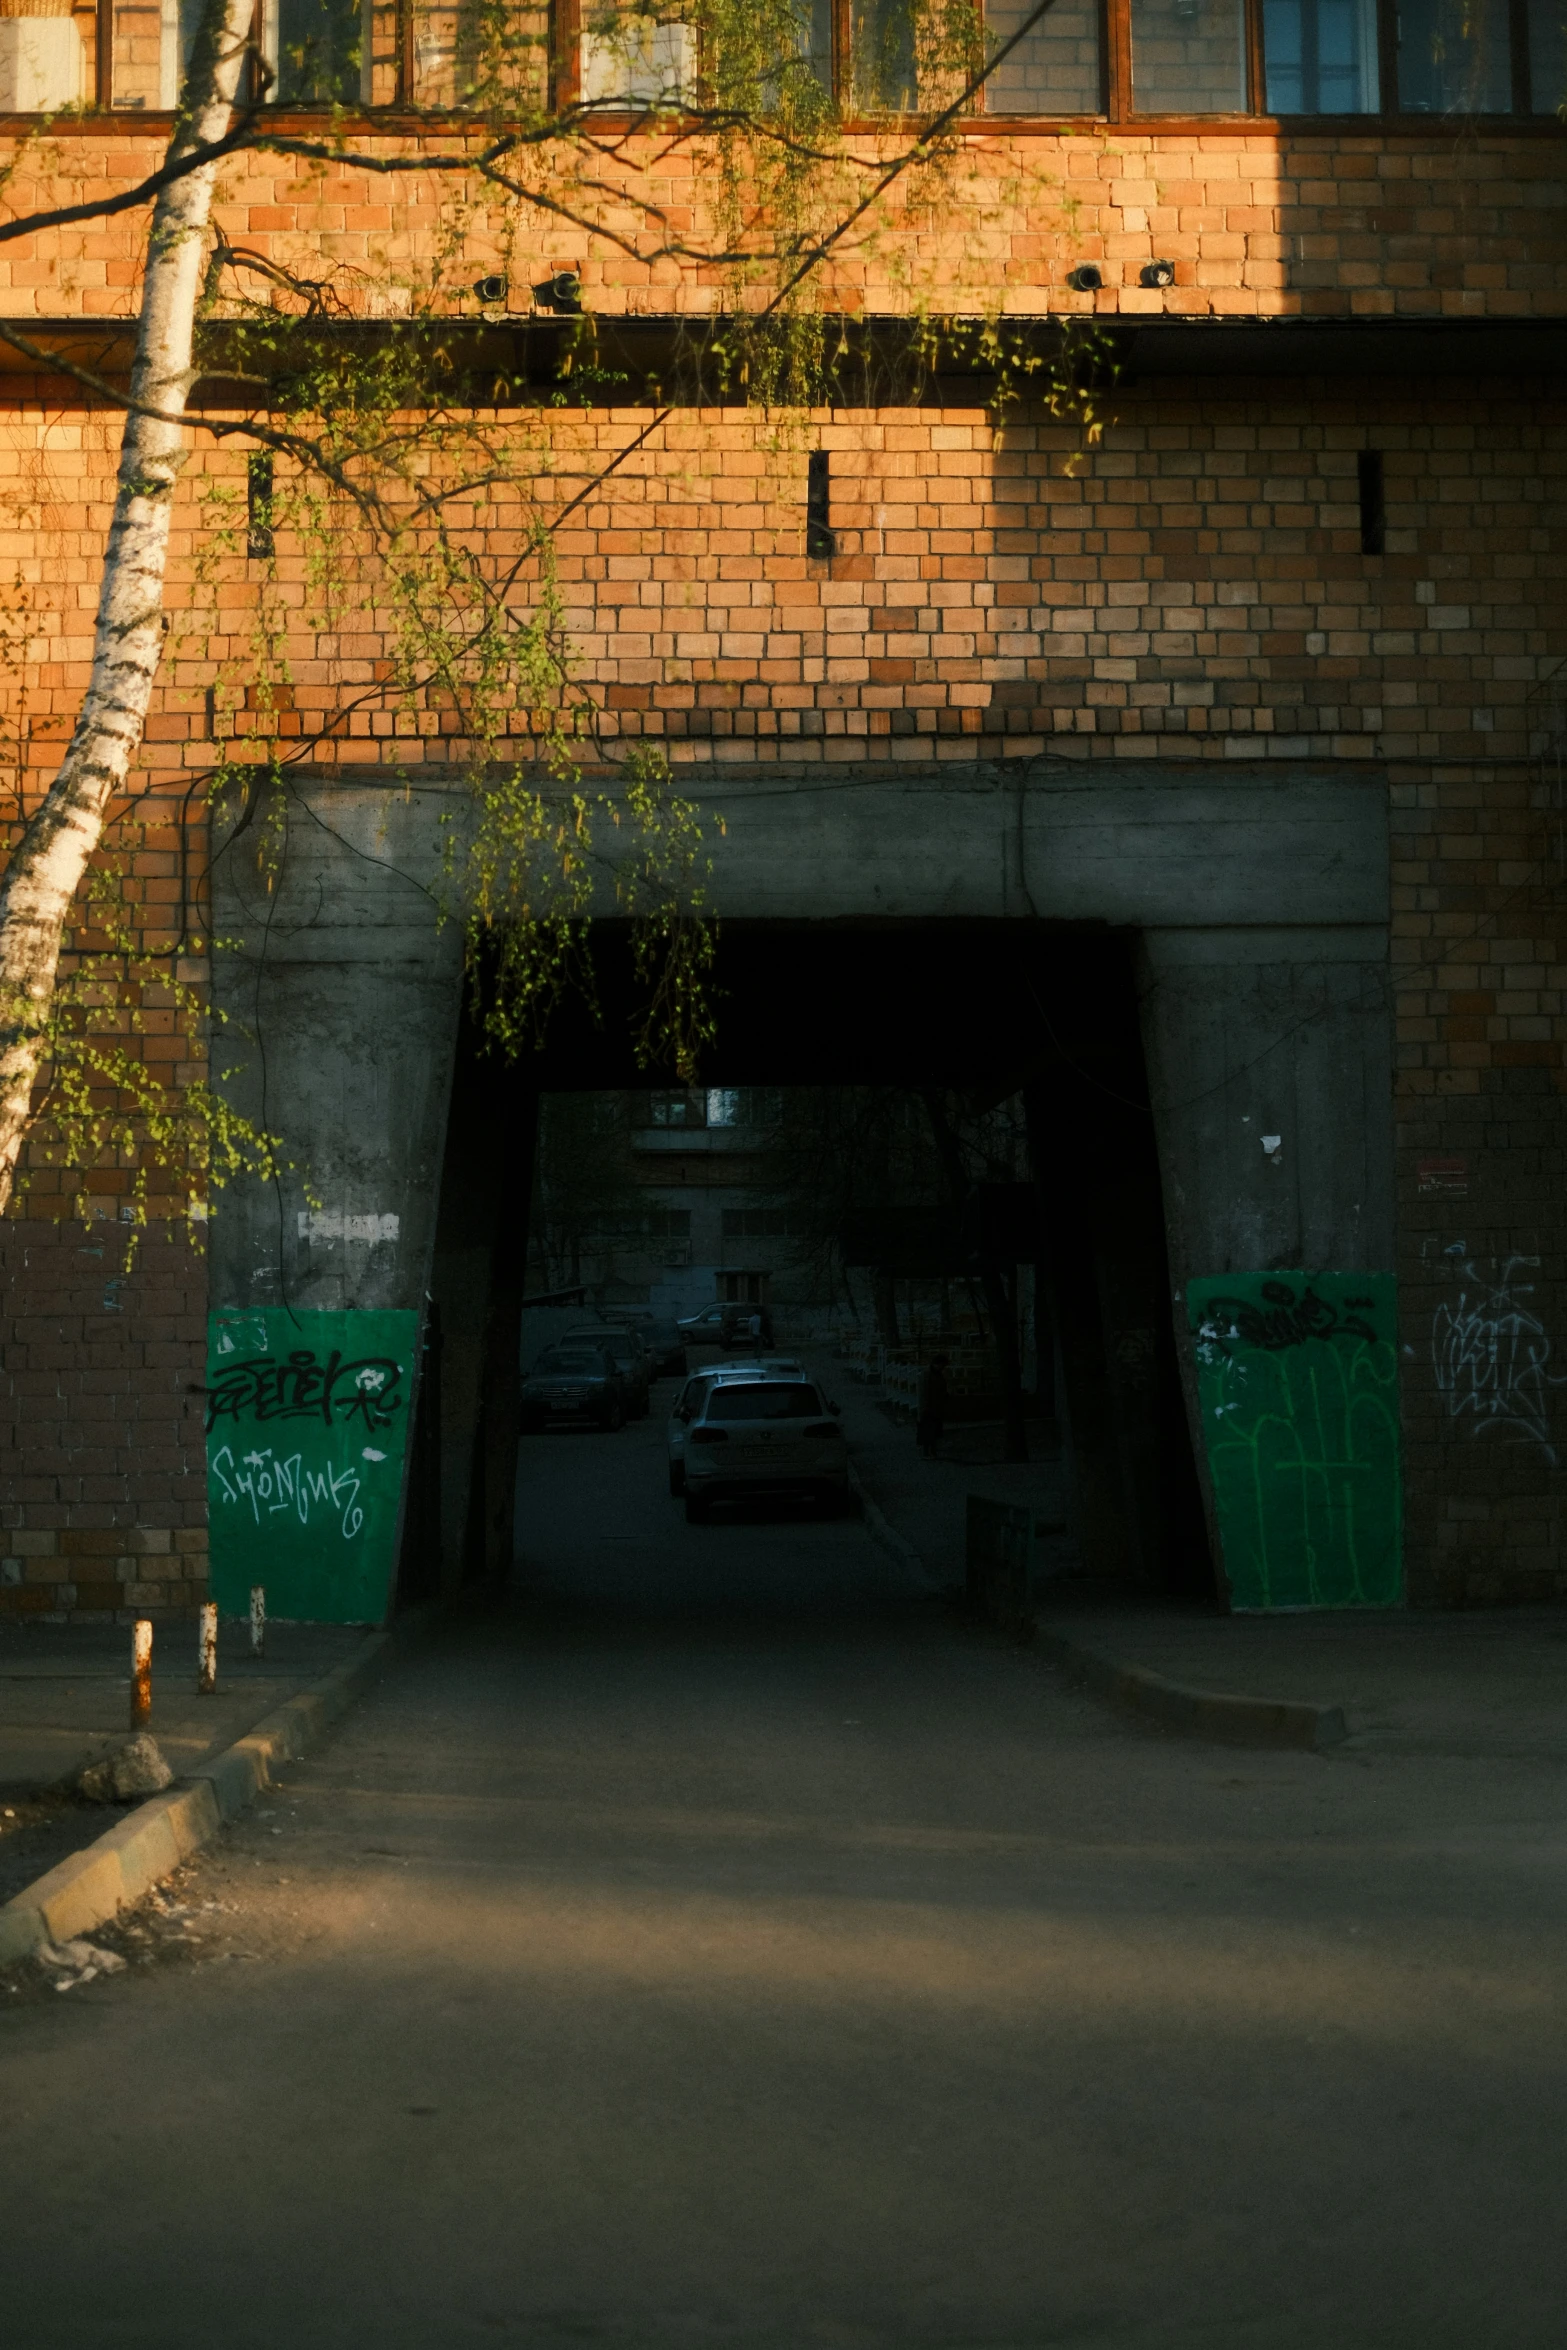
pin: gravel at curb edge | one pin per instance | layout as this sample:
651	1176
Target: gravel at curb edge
90	1886
1224	1718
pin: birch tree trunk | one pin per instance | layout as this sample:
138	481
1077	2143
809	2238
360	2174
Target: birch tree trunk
53	852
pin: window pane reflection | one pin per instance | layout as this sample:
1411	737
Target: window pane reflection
1321	56
322	52
631	59
474	53
315	48
46	62
1188	56
1454	57
1055	70
881	40
1547	56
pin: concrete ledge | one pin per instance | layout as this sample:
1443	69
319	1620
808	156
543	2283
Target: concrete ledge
885	1534
1227	1720
118	1867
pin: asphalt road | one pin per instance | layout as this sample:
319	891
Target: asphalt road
722	1949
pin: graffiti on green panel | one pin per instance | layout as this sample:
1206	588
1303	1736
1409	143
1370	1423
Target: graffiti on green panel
1297	1381
307	1426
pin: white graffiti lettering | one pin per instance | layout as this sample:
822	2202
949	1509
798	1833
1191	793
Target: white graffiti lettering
1491	1357
270	1485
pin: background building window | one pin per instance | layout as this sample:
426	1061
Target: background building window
1056	69
1321	56
682	1108
1454	57
743	1105
1188	56
759	1223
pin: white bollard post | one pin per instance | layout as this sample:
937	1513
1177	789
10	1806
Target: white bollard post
141	1673
207	1678
258	1619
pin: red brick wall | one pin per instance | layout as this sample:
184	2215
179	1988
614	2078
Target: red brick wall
1193	586
1421	221
1480	951
102	1464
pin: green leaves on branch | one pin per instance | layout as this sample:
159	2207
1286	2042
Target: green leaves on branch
126	1095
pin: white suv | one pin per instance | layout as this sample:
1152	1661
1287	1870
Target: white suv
688	1403
759	1436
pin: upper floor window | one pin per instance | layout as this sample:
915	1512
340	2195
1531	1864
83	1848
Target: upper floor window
1455	57
1118	59
1056	69
318	52
1133	58
1321	56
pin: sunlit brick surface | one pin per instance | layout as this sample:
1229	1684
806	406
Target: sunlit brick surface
1191	587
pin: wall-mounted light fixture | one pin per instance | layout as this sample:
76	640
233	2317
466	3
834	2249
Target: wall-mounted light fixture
562	292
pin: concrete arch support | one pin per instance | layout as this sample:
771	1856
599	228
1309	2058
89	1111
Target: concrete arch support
1269	1057
1270	1077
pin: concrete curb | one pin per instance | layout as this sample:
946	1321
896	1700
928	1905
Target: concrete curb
1213	1714
130	1858
882	1531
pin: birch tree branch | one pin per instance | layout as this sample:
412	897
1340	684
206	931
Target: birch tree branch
51	857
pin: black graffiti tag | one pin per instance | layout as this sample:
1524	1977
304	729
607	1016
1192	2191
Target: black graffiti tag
1282	1319
299	1387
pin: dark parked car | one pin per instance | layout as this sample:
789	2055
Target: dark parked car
630	1358
726	1325
574	1382
665	1345
705	1328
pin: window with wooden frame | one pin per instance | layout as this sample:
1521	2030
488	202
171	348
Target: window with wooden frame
1115	60
1128	60
318	53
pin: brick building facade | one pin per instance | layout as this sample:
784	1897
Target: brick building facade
1221	577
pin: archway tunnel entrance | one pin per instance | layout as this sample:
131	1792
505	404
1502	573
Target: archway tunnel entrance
1031	937
1031	1231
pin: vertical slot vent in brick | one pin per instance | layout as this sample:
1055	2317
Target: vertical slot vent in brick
1373	510
820	545
258	505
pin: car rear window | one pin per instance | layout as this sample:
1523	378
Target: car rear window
610	1342
778	1400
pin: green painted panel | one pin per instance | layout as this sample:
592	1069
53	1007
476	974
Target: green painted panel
1297	1382
307	1426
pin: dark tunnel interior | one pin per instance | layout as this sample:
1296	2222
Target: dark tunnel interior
989	1011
